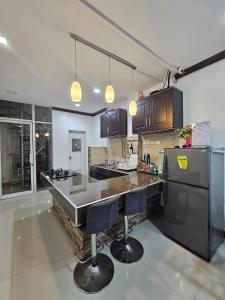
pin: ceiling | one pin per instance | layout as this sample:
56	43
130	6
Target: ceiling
38	67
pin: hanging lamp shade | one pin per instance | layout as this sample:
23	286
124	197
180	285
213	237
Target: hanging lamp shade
133	108
109	94
109	91
133	105
76	91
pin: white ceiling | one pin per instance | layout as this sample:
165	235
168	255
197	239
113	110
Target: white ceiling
39	67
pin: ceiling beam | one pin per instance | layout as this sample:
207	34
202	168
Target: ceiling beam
80	112
202	64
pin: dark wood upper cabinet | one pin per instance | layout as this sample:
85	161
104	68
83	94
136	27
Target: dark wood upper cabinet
104	125
162	110
159	112
114	123
142	121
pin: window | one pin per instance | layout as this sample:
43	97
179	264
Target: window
43	114
15	110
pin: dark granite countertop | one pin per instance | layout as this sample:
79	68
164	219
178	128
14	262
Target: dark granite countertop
82	190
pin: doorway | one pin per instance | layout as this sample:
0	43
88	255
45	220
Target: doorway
16	158
77	151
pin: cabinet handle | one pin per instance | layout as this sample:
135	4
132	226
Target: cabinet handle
146	122
149	121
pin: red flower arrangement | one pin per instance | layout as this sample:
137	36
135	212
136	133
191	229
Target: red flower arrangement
185	133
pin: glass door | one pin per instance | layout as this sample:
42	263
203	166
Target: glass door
16	158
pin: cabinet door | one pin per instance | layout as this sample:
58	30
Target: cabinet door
162	105
104	125
114	122
142	121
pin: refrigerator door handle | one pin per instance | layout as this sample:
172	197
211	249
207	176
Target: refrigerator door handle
165	167
218	151
165	192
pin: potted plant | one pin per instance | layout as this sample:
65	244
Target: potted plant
185	134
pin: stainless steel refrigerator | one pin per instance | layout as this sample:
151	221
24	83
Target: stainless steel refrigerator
194	198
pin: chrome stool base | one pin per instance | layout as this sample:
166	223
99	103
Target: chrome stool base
91	278
127	251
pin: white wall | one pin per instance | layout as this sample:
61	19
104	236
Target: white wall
204	99
62	123
98	142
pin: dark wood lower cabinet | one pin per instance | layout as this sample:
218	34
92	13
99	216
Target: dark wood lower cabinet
159	112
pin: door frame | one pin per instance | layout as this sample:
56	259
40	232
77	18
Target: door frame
85	144
31	191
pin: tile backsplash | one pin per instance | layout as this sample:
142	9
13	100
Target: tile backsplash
97	155
155	143
152	144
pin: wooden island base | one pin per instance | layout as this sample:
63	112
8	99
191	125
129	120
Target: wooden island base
81	240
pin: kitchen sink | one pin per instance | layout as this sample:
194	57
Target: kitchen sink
102	173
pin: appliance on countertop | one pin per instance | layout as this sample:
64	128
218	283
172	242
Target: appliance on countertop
194	198
130	165
60	174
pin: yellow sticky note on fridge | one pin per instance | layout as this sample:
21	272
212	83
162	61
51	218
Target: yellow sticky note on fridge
182	161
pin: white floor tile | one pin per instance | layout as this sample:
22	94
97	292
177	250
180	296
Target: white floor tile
5	290
41	250
6	252
39	238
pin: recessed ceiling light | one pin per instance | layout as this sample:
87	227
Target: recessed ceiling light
3	40
97	91
77	104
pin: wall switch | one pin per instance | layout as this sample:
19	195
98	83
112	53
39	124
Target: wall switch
157	142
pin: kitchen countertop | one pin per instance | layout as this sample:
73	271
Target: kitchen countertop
82	190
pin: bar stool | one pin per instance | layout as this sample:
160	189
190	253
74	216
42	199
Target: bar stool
128	249
96	273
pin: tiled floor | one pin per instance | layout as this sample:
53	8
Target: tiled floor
35	253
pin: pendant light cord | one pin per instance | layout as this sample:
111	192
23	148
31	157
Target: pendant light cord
75	58
109	71
133	83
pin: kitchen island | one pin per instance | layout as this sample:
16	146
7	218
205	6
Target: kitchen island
73	195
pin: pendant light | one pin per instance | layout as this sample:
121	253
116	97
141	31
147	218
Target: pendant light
76	91
109	91
133	104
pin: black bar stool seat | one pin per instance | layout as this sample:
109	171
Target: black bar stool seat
128	249
96	273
